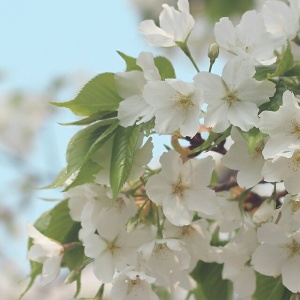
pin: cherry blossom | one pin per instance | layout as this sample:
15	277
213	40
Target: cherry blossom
181	188
175	26
283	126
130	86
249	38
45	251
176	105
233	98
278	254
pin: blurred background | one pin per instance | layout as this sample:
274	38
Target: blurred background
49	50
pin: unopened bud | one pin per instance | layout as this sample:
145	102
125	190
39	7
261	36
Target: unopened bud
213	52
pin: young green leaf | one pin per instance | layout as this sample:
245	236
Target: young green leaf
130	62
270	288
164	67
285	64
210	284
253	137
275	101
98	95
124	148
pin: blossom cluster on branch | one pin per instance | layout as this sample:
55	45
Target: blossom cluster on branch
146	229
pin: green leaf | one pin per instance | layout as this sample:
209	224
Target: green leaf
98	95
123	151
253	137
270	288
36	269
284	68
93	118
294	71
210	284
78	150
130	62
164	67
285	64
61	224
263	71
275	101
85	174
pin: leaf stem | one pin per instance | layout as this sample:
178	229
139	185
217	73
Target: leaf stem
184	47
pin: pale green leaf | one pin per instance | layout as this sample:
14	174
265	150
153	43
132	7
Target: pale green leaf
98	95
270	288
130	62
285	64
124	148
164	67
92	118
275	101
253	137
210	284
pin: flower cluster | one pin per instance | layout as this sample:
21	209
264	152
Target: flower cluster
142	227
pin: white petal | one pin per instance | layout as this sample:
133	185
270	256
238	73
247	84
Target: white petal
51	269
130	83
291	274
225	34
104	268
94	246
176	211
236	71
267	260
154	35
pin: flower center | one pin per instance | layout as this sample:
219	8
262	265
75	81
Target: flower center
187	230
179	188
136	281
296	129
294	163
293	249
183	101
295	206
112	247
231	97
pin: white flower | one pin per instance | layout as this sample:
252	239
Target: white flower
78	197
164	259
130	86
175	26
227	214
196	238
235	256
279	253
176	105
249	38
295	5
181	188
283	126
233	98
45	251
286	167
288	215
132	285
238	158
265	211
281	20
113	248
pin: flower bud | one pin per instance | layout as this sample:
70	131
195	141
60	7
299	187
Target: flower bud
213	52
